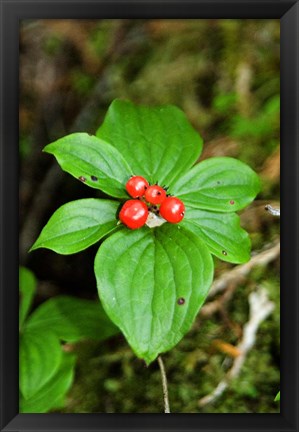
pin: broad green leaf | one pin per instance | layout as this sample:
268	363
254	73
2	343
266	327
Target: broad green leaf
158	142
72	319
141	277
93	161
40	357
27	287
52	394
221	232
77	225
221	184
277	397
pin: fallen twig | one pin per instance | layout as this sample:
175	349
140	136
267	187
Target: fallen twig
38	207
272	211
260	308
238	272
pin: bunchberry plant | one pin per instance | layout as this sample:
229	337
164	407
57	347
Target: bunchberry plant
172	209
152	279
46	369
155	194
136	186
134	214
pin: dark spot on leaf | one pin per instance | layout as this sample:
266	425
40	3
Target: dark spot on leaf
94	178
82	179
232	202
224	252
218	182
181	301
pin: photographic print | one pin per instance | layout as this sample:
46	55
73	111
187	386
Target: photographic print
147	151
149	202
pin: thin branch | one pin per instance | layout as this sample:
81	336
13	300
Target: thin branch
42	198
216	305
272	211
228	281
164	385
260	308
240	271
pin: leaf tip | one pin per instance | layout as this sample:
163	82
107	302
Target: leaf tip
36	245
148	357
33	247
277	397
47	149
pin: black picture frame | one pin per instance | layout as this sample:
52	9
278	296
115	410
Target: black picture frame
11	13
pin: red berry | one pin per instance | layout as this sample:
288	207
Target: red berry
172	209
133	214
155	194
136	186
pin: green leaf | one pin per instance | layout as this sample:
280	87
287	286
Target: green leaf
52	394
158	142
72	319
40	357
27	288
277	397
95	162
77	225
221	184
141	276
221	232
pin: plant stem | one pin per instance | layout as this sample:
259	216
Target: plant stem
164	385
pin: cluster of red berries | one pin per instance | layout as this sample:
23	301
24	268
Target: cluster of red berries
134	212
